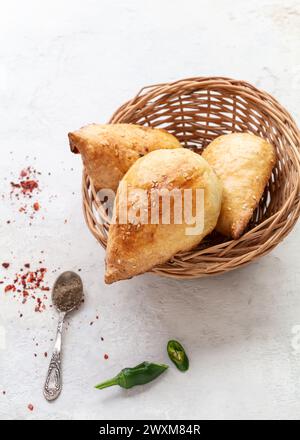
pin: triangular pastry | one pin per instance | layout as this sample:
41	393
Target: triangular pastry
133	245
108	151
244	163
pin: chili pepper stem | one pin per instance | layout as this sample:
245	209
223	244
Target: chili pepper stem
107	383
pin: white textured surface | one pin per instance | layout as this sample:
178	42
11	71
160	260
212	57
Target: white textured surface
64	64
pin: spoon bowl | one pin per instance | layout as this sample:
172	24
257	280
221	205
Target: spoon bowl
67	292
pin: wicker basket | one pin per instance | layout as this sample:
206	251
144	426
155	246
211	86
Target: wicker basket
197	110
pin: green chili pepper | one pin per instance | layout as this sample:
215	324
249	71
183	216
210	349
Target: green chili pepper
178	355
139	375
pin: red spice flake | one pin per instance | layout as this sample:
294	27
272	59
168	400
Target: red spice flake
45	354
30	407
29	185
38	306
5	265
36	206
4	392
30	278
15	185
27	265
106	356
24	173
9	287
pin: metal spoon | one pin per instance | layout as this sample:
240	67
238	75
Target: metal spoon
67	294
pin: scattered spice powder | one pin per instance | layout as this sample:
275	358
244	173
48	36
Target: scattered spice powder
30	407
29	285
25	188
27	183
5	265
106	356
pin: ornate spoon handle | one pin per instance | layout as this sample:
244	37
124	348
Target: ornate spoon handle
53	383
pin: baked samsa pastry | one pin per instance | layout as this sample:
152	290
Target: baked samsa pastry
108	151
134	246
244	163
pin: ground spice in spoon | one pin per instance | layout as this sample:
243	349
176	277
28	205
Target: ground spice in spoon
65	296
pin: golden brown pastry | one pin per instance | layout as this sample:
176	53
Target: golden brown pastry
244	164
108	151
135	247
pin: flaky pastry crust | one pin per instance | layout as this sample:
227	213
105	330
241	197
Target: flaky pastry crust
108	151
244	163
135	248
